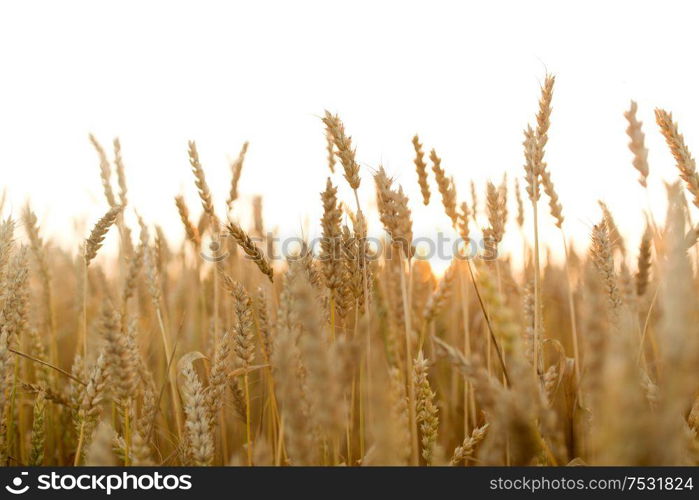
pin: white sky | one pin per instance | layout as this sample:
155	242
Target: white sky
465	75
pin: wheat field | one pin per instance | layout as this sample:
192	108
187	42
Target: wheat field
208	352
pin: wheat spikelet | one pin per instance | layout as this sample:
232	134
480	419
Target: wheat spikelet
615	238
467	450
520	204
543	119
162	249
532	170
439	298
120	362
36	455
554	203
683	157
93	395
152	276
637	144
330	148
644	262
99	231
76	390
200	444
421	168
14	315
7	228
105	172
244	335
601	251
38	351
331	245
37	245
495	204
264	323
355	252
463	226
394	212
551	381
474	201
135	265
257	256
236	170
537	149
350	283
190	229
203	188
446	188
121	174
502	193
345	151
426	409
149	397
239	404
218	377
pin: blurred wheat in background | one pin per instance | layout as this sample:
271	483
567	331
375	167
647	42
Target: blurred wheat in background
207	352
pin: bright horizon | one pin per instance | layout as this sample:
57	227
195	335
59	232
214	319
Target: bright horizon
158	74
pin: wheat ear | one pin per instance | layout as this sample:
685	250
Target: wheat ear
252	251
421	168
99	231
683	157
236	170
637	144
